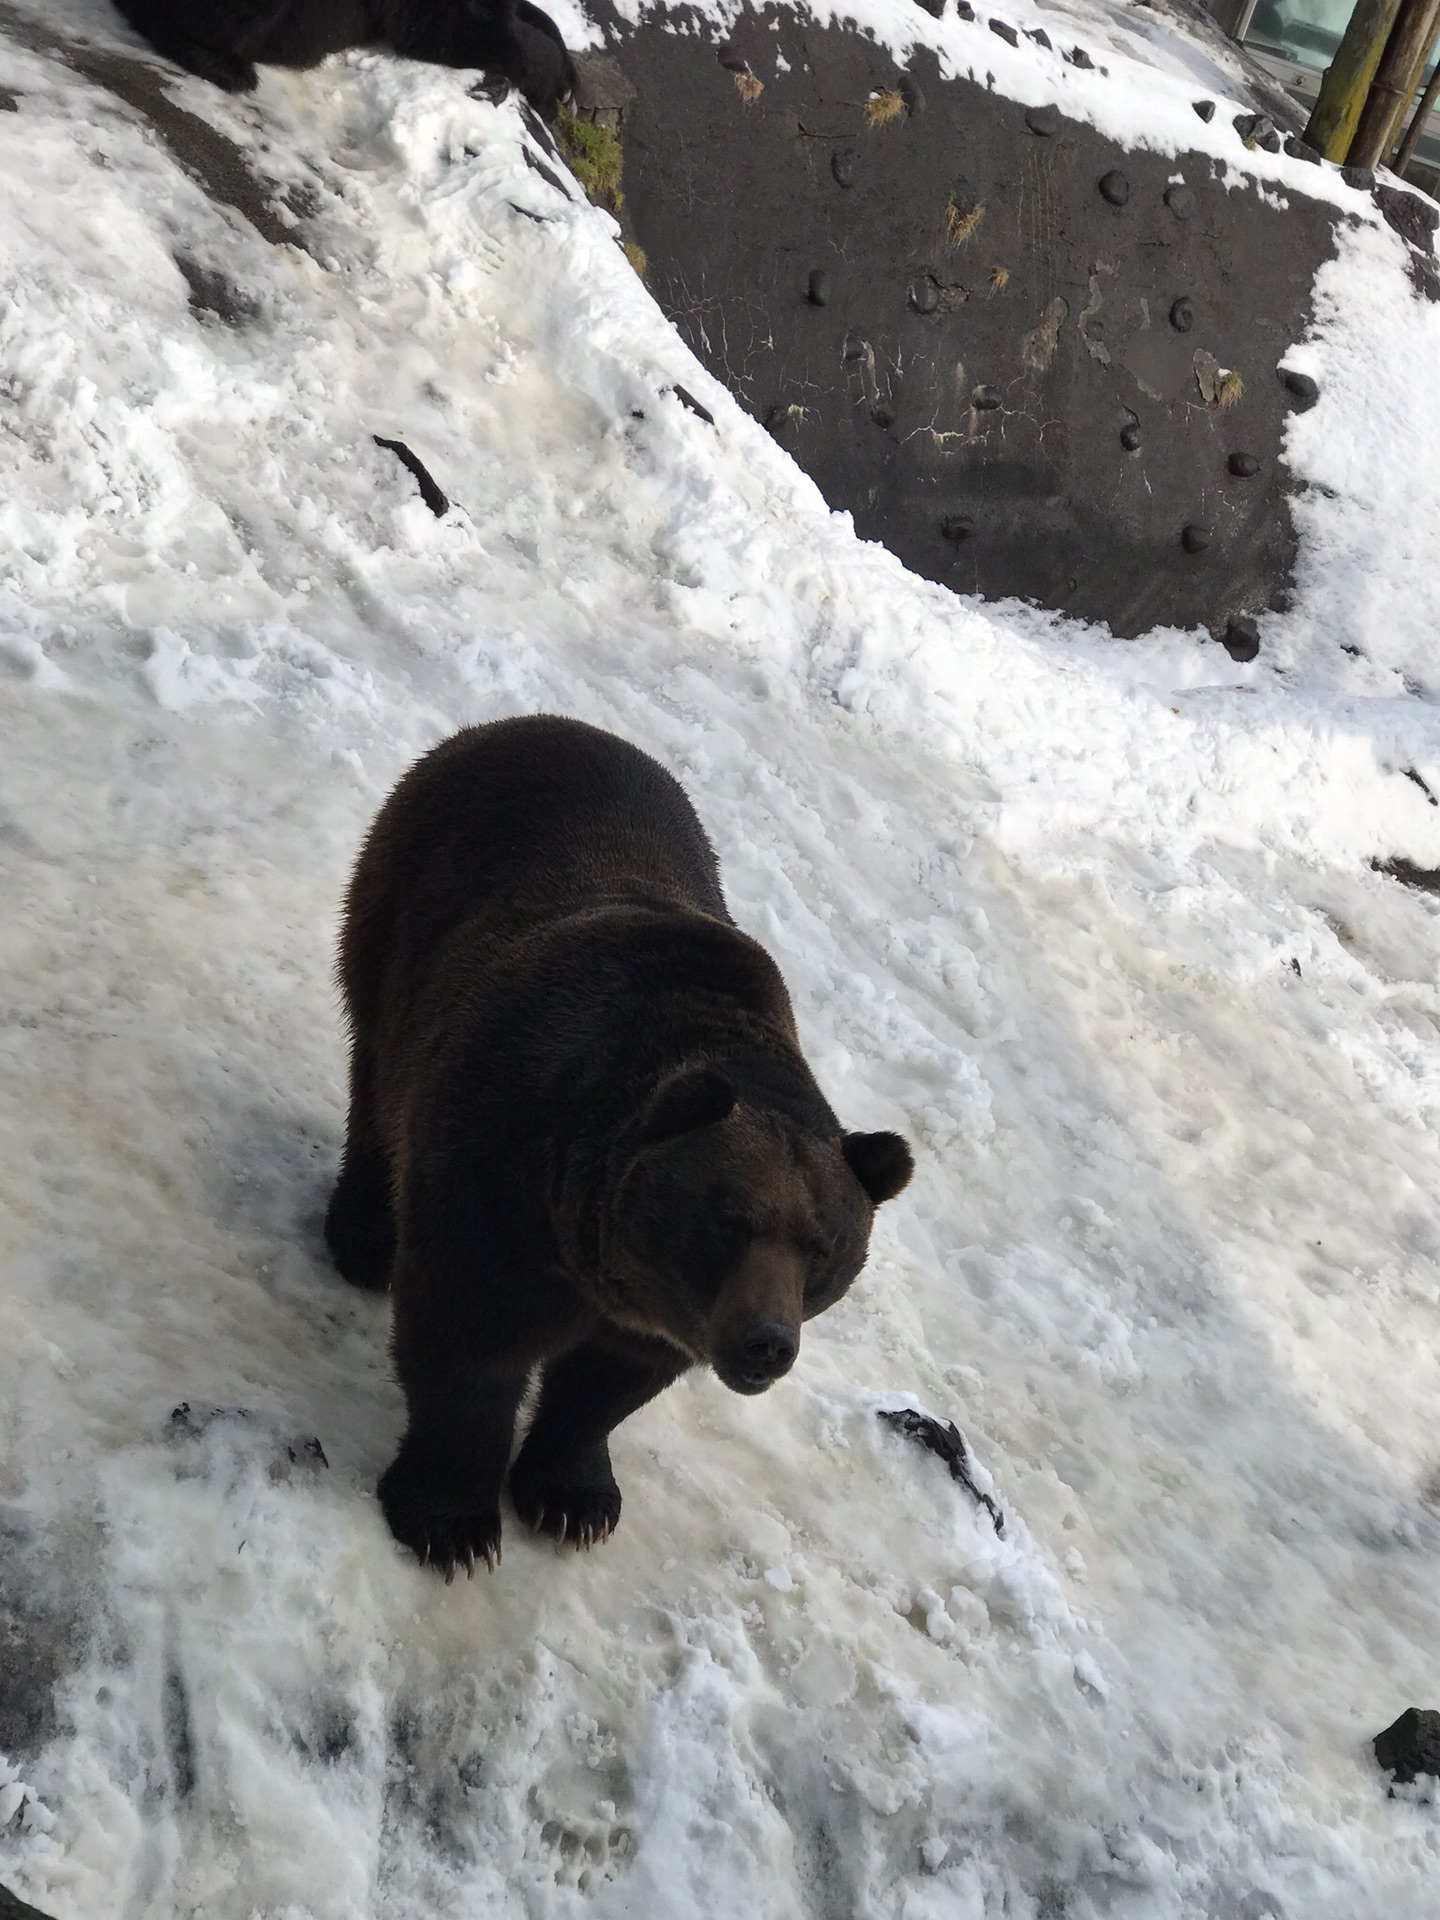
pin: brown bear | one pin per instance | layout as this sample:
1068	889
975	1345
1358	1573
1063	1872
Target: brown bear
582	1136
221	40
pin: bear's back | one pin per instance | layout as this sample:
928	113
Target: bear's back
517	821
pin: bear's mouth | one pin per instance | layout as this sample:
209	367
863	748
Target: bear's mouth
748	1383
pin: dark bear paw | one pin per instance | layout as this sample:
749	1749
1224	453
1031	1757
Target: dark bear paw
438	1534
566	1506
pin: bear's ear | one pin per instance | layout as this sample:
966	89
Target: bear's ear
881	1162
697	1098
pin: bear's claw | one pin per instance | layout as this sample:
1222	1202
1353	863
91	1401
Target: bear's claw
580	1515
445	1541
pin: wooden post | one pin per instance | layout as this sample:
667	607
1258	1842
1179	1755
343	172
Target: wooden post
1417	125
1396	78
1347	80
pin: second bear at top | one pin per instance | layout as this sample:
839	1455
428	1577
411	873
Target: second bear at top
222	40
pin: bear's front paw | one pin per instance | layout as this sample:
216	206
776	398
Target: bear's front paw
575	1507
438	1533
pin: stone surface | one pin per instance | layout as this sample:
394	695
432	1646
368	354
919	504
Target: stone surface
1411	1745
1114	187
1027	281
1411	215
12	1907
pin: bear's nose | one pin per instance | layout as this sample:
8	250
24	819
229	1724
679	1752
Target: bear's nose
769	1349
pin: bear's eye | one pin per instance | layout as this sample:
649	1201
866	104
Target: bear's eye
734	1228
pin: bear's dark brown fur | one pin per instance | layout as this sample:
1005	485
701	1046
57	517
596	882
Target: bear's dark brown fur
581	1134
221	40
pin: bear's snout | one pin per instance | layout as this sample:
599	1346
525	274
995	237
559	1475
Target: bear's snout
755	1329
767	1351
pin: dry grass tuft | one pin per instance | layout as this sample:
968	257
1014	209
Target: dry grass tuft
999	279
882	108
749	86
1228	390
636	256
959	225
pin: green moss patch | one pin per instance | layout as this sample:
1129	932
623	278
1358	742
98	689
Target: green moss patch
593	155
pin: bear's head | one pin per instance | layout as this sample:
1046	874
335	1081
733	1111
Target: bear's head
735	1219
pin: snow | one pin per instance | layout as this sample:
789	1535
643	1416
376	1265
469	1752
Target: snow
1094	924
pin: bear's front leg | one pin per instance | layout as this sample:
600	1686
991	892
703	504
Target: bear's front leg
441	1493
562	1483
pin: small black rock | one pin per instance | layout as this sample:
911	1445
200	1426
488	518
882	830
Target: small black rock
1079	58
844	165
687	399
986	399
1241	638
1040	37
1302	389
1005	31
1299	150
923	294
1361	178
1412	1745
944	1439
935	7
1205	109
732	59
431	494
8	101
1413	218
1043	120
912	96
781	421
1114	187
817	291
1181	201
882	415
956	528
1195	539
1130	436
964	10
1257	130
1182	315
1244	466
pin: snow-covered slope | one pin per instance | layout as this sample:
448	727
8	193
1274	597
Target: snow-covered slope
1095	925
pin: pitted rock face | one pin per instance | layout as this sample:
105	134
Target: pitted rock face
1021	383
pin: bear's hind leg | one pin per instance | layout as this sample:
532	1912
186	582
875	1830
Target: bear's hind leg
441	1493
360	1221
562	1482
